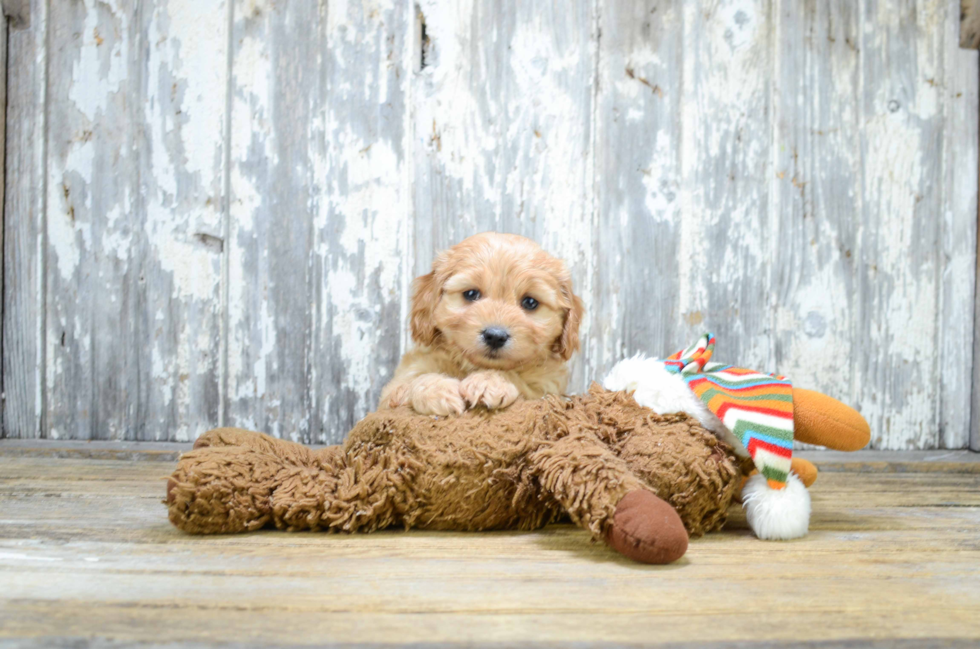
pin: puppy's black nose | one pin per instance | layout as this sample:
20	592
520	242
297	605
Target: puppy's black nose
495	337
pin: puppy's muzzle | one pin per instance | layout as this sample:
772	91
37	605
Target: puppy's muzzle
495	337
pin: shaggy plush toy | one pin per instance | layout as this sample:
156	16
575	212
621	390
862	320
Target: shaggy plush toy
636	465
629	476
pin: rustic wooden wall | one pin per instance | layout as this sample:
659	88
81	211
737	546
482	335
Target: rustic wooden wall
214	210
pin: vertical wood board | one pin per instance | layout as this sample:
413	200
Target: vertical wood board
959	95
275	138
3	180
23	237
180	243
92	218
636	293
362	217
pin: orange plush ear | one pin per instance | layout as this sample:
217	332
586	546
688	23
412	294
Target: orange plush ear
823	420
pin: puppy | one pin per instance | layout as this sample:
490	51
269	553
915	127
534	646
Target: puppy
496	320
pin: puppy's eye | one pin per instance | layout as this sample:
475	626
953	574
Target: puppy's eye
529	303
471	295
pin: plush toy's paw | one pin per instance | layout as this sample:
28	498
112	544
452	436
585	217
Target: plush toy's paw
647	529
491	389
435	394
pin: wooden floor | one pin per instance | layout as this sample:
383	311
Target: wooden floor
87	558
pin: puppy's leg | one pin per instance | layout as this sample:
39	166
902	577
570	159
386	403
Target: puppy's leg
435	394
490	388
395	394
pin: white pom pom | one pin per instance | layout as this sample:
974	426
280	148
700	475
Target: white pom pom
776	514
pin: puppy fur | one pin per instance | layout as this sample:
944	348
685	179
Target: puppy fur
483	283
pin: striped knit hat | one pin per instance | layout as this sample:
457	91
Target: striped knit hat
756	408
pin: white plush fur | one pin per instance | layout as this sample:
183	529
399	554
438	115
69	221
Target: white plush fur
776	515
664	392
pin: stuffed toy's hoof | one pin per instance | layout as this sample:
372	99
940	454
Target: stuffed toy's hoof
776	514
647	529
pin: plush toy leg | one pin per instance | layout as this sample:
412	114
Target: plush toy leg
265	481
806	471
601	494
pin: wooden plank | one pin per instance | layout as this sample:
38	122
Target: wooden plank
638	114
503	123
362	211
725	233
975	394
3	180
815	193
276	148
899	247
162	451
319	219
93	220
895	461
23	238
959	96
86	553
181	239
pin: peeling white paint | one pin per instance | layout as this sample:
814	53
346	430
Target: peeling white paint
813	205
104	48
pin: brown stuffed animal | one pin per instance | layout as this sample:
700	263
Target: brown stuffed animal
631	477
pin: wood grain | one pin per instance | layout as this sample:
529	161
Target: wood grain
3	180
362	214
214	211
180	242
275	99
23	225
319	219
86	552
635	301
92	218
816	193
959	96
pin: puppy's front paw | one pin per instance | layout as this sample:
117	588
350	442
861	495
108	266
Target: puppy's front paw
491	389
398	395
433	394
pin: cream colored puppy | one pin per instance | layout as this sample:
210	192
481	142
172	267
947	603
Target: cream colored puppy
495	321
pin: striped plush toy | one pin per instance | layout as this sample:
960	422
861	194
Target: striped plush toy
759	415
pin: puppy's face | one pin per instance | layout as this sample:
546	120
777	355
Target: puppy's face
499	301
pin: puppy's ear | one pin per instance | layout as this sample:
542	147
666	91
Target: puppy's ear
427	290
567	344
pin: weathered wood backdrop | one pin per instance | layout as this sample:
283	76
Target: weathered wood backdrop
213	212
